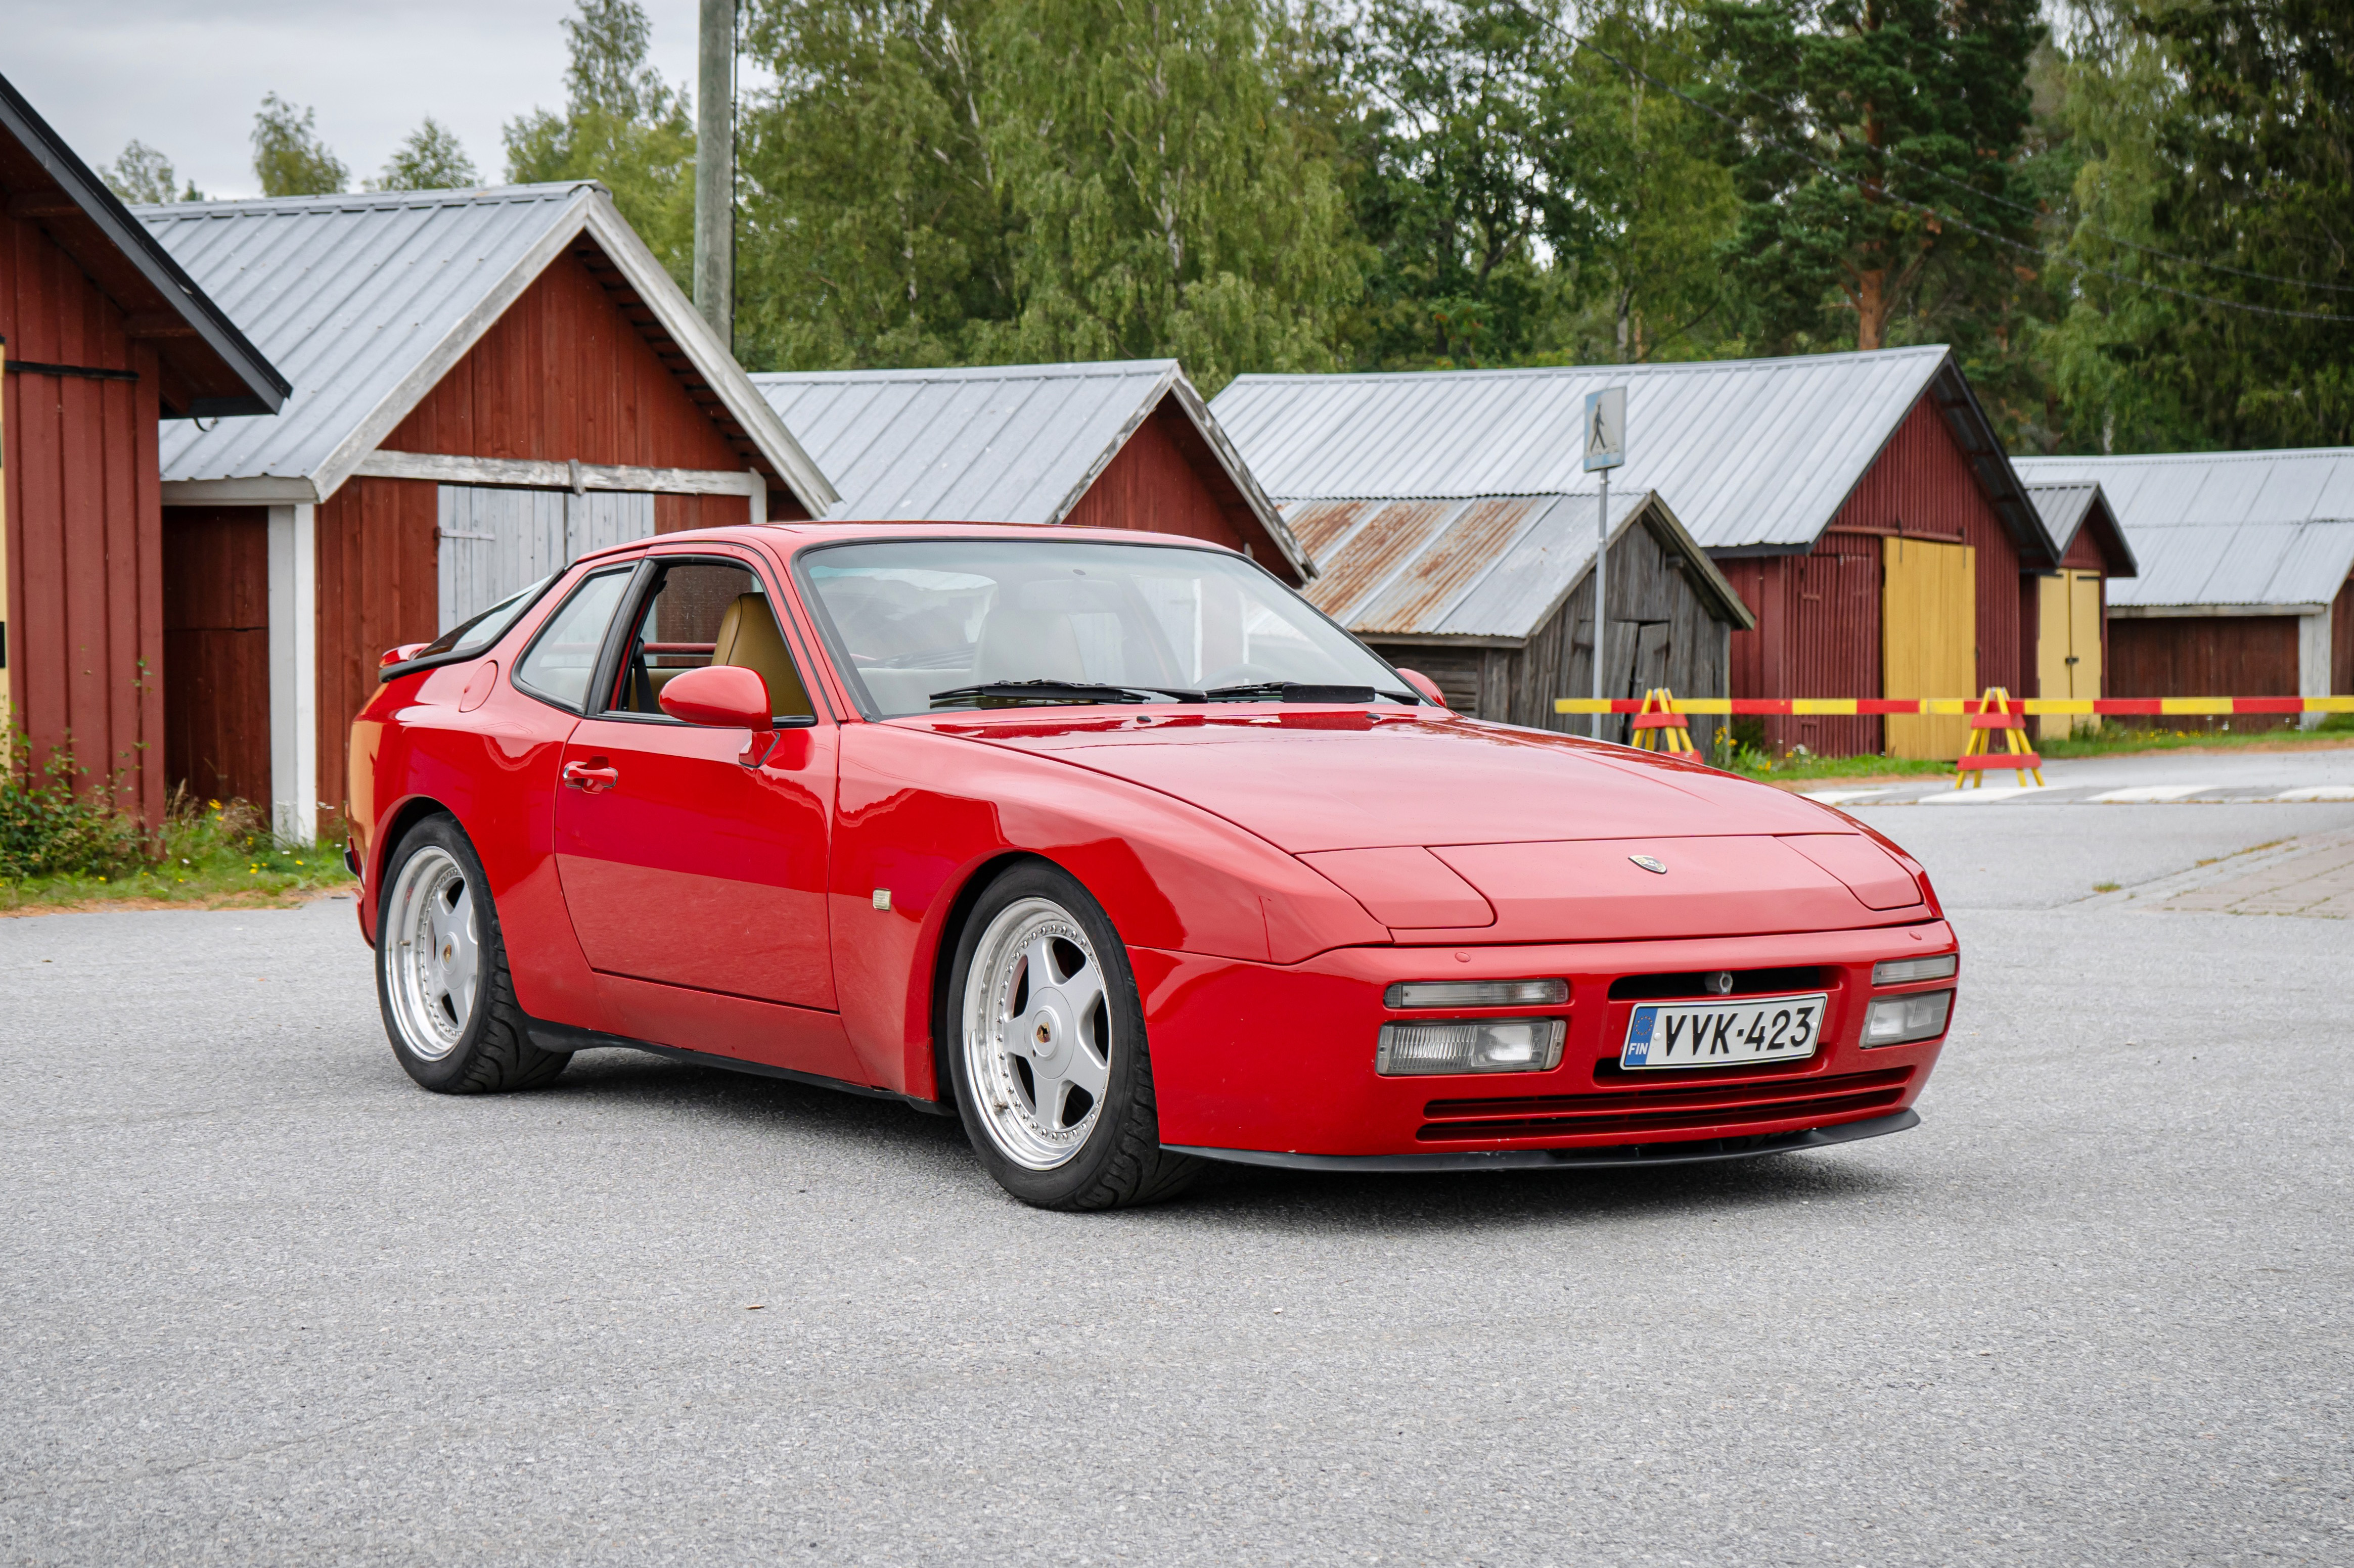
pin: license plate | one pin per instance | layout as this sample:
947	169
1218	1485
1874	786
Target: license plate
1723	1033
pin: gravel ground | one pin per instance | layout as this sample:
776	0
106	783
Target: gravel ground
268	1303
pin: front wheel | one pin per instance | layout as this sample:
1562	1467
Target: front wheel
441	971
1052	1076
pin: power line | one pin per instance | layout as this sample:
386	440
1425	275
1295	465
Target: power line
2030	207
1924	207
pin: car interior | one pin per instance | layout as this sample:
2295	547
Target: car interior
696	614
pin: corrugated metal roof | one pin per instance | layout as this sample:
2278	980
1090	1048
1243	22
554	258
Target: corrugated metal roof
1488	567
366	301
1009	444
2224	528
2063	508
1755	452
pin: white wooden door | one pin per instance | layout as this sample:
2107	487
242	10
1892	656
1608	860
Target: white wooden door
493	542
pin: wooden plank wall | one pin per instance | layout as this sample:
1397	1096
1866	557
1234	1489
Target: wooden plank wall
84	507
379	587
216	646
2204	655
1165	481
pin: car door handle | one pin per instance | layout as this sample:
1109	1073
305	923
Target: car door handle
591	776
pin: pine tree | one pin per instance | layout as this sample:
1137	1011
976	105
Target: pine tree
1864	121
289	159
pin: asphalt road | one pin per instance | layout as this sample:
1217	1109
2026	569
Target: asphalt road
266	1302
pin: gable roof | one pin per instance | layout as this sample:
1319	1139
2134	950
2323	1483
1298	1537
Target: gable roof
2067	506
2266	530
370	299
210	368
1759	453
1003	443
1488	567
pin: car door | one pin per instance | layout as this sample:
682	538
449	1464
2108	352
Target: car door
681	864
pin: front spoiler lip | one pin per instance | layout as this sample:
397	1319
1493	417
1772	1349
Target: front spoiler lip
1694	1152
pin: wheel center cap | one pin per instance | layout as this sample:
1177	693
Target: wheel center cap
1049	1033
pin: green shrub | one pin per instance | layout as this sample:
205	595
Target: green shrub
49	830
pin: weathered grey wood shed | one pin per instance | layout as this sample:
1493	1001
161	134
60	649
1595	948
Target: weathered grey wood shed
1493	598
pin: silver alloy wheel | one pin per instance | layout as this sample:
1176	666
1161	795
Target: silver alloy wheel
431	950
1037	1033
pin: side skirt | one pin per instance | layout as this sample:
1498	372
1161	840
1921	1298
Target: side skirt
568	1038
1699	1151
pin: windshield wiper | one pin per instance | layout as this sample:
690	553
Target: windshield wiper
1300	691
1016	693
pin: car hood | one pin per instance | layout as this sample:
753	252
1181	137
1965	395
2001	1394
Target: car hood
1313	778
1446	828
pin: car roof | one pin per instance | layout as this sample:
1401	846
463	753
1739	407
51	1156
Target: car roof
802	535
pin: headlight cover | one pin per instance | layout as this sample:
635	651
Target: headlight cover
1901	1020
1906	971
1476	993
1471	1045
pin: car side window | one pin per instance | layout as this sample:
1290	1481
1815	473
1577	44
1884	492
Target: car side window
697	613
562	660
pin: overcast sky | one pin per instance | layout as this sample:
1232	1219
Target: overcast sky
186	76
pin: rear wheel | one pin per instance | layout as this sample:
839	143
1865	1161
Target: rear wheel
1051	1075
441	971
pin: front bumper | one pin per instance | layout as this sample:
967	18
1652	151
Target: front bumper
1251	1059
1699	1151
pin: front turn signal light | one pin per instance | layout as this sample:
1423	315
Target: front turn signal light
1476	993
1900	1020
1905	971
1471	1045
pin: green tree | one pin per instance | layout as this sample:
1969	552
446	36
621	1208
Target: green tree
1645	207
143	175
621	124
1863	122
875	229
289	159
1165	200
1468	139
431	159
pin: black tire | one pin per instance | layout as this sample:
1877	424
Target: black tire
486	1052
1121	1162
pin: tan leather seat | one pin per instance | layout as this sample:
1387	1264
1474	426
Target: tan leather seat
750	640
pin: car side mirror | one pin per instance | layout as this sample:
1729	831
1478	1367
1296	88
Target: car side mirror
725	696
1425	684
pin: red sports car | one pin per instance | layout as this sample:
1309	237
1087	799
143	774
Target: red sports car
1114	847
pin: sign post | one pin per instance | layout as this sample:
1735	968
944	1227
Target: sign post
1605	448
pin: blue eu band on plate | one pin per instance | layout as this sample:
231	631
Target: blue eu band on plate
1724	1035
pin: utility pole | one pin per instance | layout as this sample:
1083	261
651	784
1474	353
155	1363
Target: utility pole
1605	448
714	170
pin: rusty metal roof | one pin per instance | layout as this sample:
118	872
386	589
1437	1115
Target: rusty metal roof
1489	567
2270	530
1758	454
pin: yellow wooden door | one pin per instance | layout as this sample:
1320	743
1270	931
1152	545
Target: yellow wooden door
2085	593
1929	640
2054	643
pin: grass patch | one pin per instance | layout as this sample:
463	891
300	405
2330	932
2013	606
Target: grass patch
2105	886
211	854
2114	739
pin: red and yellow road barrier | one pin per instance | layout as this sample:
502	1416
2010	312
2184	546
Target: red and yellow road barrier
2121	708
1656	721
1970	767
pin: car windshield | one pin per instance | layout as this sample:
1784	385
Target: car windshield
928	624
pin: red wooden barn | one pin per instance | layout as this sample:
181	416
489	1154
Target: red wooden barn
1116	444
103	336
1859	503
2247	580
487	383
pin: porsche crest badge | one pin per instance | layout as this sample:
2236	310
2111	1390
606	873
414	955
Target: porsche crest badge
1649	863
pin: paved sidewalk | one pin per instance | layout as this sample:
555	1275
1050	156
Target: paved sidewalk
2316	880
2200	777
